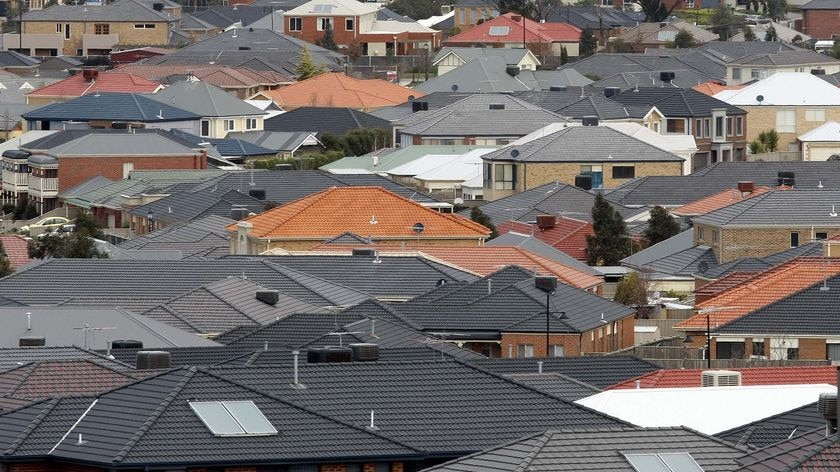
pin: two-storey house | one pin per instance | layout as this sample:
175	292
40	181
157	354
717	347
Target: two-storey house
762	65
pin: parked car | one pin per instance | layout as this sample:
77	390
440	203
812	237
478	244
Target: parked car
52	223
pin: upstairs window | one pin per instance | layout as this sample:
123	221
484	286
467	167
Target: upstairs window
295	24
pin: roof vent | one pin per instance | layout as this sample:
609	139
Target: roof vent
364	252
257	193
546	283
786	178
746	186
590	120
27	341
283	167
667	77
126	344
497	106
557	88
419	106
720	378
583	181
238	213
512	70
269	297
546	221
365	352
148	360
320	355
90	75
827	406
611	91
244	48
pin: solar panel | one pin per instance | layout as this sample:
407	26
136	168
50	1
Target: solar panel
499	30
233	418
680	462
664	462
666	36
322	8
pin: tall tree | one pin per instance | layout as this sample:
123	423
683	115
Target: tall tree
607	245
564	55
770	34
588	43
749	34
417	9
684	40
307	67
655	10
481	218
661	226
544	9
520	7
777	9
327	40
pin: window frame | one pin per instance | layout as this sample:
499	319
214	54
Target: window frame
504	175
201	131
351	22
102	28
813	114
525	350
783	123
623	168
295	21
794	239
320	23
250	124
229	124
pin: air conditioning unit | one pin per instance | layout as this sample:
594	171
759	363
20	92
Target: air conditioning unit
720	378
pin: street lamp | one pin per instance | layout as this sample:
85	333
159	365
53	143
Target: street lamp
548	284
149	220
426	61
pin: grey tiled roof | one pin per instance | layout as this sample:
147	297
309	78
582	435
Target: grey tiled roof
684	263
776	428
337	121
122	10
12	357
558	385
594	17
482	74
277	141
203	236
190	356
820	5
111	107
184	207
205	99
223	16
809	451
601	449
599	371
534	245
672	245
603	66
584	144
675	102
793	207
683	78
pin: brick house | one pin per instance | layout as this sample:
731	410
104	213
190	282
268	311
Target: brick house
352	21
469	12
509	31
821	19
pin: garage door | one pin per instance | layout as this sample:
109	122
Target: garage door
821	153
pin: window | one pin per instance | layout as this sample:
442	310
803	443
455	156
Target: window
144	26
488	175
816	114
229	125
101	28
700	233
758	347
505	177
719	127
663	462
739	125
66	31
689	4
794	239
758	73
820	235
730	350
59	28
295	24
729	125
782	348
736	73
349	24
715	236
623	172
250	123
558	350
832	352
707	124
233	418
698	128
205	127
324	24
526	350
675	125
786	121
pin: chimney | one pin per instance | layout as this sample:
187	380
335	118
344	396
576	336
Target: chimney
545	222
746	187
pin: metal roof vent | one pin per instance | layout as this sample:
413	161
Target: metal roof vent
269	297
320	355
365	352
147	360
126	344
827	406
720	378
29	341
257	193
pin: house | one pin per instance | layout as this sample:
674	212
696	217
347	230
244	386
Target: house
763	65
352	22
571	152
469	12
508	31
373	211
383	160
205	236
441	174
783	33
90	82
76	30
449	58
818	19
638	69
128	56
662	35
566	234
242	82
683	378
185	207
722	199
719	127
320	120
284	143
821	143
340	91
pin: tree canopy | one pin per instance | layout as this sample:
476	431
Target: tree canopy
307	67
481	218
588	43
631	290
78	244
608	244
327	40
661	226
684	40
417	9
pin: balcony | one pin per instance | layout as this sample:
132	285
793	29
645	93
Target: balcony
34	41
43	186
99	42
14	181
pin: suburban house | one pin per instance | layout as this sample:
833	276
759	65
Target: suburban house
319	120
759	66
91	81
355	22
791	103
560	232
370	211
220	112
449	58
819	19
821	143
599	155
83	30
662	35
508	31
340	91
469	12
242	82
719	127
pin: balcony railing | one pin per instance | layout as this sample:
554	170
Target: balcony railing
99	41
42	184
15	179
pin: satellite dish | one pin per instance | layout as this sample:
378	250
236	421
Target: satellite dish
454	87
759	98
418	228
702	267
411	98
458	201
514	153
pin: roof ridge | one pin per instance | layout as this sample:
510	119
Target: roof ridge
279	267
50	405
175	313
524	465
155	415
27	370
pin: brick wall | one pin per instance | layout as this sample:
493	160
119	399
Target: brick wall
50	467
73	171
812	349
754	242
821	24
570	342
621	335
259	246
535	175
128	35
763	118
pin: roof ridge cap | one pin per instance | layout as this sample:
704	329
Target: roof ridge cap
175	313
27	370
39	418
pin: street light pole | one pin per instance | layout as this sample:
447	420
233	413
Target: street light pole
547	328
708	342
426	61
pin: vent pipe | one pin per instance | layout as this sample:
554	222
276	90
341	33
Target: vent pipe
489	286
372	425
28	321
539	367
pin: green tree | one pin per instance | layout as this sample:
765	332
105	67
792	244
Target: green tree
722	20
5	264
417	9
684	40
618	45
631	290
354	50
607	245
481	218
770	34
749	34
661	226
767	141
306	67
655	10
797	40
327	40
78	244
588	43
520	7
835	50
564	55
777	9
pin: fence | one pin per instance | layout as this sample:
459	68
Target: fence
778	156
670	354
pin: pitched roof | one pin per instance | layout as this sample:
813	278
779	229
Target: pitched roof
337	121
223	76
600	371
676	102
675	244
776	428
122	144
794	207
683	263
648	32
826	132
14	357
60	378
277	141
716	201
820	5
763	289
711	88
810	451
505	29
784	89
749	376
16	249
362	210
534	245
77	85
122	10
184	207
338	90
336	7
204	99
467	54
111	107
568	234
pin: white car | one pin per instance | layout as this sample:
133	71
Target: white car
52	223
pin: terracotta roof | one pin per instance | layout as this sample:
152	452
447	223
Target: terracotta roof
60	378
716	201
338	90
486	260
218	75
749	376
548	32
568	234
76	85
763	289
17	249
368	211
723	284
711	88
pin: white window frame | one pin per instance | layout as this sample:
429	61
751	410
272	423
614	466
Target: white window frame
786	120
229	125
815	114
250	123
295	21
320	23
350	21
144	26
201	128
557	350
504	178
525	350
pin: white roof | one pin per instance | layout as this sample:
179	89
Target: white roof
433	20
333	8
27	137
393	26
826	132
709	410
785	89
673	143
463	168
475	182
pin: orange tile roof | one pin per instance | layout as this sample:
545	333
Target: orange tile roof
76	85
568	234
218	75
716	201
765	288
749	376
486	260
340	91
17	249
535	32
724	283
366	211
711	88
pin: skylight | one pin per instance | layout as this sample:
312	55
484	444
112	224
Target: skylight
233	418
322	8
664	462
499	30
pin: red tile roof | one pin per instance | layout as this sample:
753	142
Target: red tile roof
568	234
711	88
17	249
723	284
60	378
367	211
749	376
535	32
717	201
340	91
218	75
76	85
